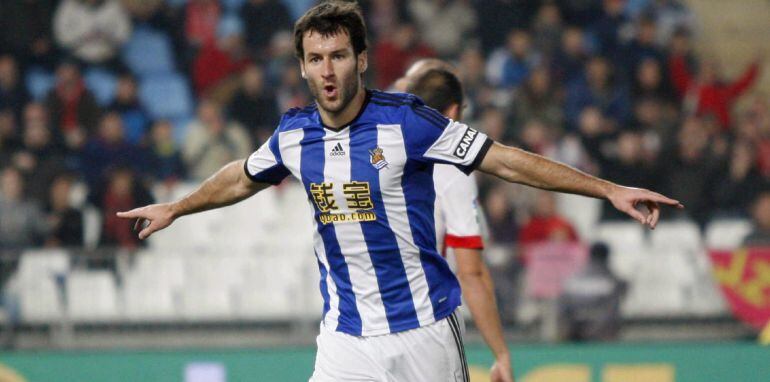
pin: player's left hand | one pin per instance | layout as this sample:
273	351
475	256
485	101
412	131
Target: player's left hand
501	371
627	199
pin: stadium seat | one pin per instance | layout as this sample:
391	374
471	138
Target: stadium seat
206	303
267	294
40	301
36	264
92	226
662	286
581	211
165	267
102	83
627	245
682	234
91	296
148	52
39	82
727	234
166	96
148	298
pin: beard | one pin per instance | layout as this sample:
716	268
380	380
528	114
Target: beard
347	88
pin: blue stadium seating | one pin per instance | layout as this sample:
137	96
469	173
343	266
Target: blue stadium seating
148	52
166	96
102	83
39	82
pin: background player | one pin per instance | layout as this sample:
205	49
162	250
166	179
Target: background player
457	215
390	299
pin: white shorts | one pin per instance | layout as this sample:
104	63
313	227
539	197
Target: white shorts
428	354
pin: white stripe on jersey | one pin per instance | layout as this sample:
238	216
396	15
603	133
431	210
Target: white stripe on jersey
350	237
391	140
291	154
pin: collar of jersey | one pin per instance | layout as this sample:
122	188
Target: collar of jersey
367	97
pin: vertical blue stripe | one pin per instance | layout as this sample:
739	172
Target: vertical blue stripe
380	238
420	197
312	169
322	285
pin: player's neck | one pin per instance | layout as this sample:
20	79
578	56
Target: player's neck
345	116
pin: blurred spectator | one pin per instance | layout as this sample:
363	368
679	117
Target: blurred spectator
27	34
9	136
740	180
108	149
72	107
164	159
567	63
13	94
649	81
65	222
292	91
394	54
122	191
590	302
545	224
217	64
511	65
213	141
201	21
444	24
92	30
547	29
670	15
707	93
687	171
598	87
538	99
621	161
492	122
22	224
537	137
142	10
126	103
643	46
760	216
500	217
253	106
41	158
262	19
497	16
471	71
608	28
383	16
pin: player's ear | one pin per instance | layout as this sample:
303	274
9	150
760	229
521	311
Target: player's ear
363	62
302	68
454	112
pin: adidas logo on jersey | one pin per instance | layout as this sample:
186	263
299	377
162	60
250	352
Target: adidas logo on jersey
337	151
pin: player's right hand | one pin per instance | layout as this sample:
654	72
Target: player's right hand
150	218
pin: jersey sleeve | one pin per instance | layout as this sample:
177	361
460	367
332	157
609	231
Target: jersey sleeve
431	137
463	224
265	164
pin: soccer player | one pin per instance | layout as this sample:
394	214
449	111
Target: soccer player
366	161
457	216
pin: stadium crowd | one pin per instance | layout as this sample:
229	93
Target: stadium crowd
612	87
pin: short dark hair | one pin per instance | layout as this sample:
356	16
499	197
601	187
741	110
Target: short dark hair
438	88
328	19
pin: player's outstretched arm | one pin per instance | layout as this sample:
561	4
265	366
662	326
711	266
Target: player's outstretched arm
519	166
227	186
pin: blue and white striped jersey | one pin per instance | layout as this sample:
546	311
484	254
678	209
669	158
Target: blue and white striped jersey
370	185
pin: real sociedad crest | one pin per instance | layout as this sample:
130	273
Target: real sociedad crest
377	158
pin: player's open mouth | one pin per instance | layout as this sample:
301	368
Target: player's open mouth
330	91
